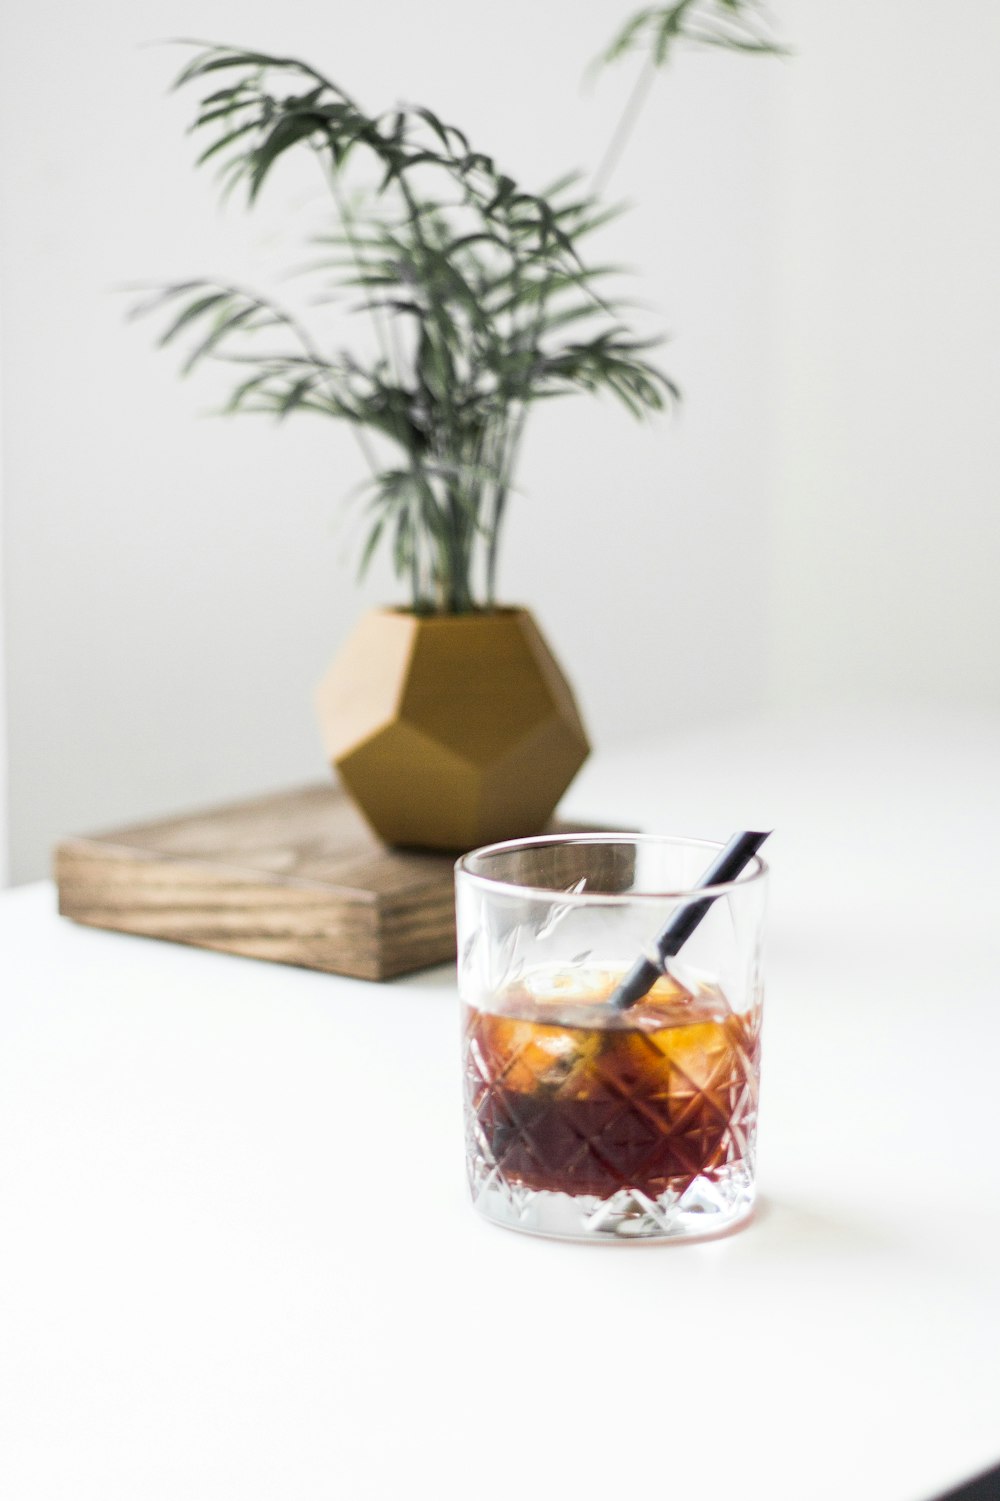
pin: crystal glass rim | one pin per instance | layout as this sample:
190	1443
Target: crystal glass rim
755	871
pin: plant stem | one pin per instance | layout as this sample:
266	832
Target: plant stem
623	130
381	333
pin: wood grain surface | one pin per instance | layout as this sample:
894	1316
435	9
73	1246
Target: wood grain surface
295	877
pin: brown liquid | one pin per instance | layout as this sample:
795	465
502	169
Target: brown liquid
648	1099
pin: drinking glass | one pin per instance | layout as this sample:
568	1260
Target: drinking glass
584	1120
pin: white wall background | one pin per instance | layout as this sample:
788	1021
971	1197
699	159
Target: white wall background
820	238
887	515
4	838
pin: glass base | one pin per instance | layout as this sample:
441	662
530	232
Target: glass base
710	1205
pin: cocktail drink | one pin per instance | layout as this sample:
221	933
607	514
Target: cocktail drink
582	1099
582	1119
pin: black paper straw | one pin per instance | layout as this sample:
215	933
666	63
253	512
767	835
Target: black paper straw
726	867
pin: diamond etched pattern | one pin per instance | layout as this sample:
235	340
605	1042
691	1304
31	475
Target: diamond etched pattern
634	1117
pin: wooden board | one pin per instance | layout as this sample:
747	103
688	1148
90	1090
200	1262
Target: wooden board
295	877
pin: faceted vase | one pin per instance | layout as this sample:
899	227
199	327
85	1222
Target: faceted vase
450	731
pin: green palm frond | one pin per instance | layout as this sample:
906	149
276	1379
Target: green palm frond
736	25
479	296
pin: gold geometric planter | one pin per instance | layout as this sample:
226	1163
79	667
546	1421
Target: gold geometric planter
450	731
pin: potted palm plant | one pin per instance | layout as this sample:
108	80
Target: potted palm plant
446	717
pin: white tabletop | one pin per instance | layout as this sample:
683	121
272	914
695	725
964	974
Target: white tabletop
237	1262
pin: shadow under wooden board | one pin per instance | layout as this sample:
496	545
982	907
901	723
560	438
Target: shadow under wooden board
295	877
